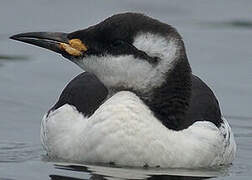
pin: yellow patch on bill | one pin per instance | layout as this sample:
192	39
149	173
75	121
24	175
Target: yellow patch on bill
74	48
77	44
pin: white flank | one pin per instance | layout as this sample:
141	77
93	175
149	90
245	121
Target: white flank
124	131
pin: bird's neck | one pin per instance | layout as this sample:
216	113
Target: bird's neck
170	101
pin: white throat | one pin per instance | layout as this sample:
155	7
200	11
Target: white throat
130	72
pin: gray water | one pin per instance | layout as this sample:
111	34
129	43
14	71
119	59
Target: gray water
217	36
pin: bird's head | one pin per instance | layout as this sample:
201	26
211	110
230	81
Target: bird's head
125	51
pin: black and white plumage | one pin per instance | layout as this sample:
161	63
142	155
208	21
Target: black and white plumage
137	103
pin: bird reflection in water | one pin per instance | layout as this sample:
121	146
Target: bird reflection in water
105	172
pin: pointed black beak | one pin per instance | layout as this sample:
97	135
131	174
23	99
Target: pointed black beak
47	40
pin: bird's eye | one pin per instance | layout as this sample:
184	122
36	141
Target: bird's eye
118	43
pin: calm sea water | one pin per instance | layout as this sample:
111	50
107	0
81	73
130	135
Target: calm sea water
217	35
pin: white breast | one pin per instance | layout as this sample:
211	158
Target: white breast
124	131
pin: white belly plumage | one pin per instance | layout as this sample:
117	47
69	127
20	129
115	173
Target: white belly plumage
123	130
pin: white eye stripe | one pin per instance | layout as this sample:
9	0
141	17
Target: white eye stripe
155	45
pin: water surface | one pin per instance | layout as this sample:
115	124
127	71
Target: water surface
217	36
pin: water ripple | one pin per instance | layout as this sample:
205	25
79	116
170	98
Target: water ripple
240	23
112	172
18	152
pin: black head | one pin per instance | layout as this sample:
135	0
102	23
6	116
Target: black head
116	34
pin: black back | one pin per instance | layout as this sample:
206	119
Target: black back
180	106
183	99
85	92
203	104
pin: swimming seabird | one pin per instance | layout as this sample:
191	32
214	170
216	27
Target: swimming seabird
137	103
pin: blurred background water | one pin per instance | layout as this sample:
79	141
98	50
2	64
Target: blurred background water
217	36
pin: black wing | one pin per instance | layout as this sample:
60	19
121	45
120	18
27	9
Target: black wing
86	92
203	104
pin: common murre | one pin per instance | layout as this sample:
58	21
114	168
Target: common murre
137	103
